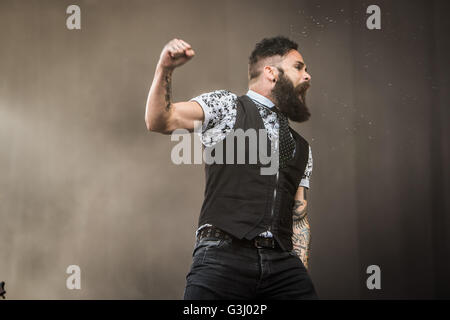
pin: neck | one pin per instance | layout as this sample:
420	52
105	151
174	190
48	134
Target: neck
264	92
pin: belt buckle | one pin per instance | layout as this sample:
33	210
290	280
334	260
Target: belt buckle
256	243
270	243
260	246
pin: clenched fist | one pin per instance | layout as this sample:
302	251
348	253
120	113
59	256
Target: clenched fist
175	53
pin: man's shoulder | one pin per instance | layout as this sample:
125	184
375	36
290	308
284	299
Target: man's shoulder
220	109
219	94
217	99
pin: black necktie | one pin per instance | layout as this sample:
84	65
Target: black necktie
286	142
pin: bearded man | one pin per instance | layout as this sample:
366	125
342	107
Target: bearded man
253	236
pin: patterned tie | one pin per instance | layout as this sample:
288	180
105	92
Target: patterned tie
286	142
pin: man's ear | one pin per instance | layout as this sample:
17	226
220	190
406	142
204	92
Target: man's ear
271	73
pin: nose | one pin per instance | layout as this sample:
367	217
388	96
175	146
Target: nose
307	76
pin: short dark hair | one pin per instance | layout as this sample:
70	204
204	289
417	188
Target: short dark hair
269	47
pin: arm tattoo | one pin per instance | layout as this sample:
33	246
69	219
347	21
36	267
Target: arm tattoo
299	210
301	236
167	86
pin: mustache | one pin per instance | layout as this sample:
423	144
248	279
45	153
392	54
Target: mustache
302	87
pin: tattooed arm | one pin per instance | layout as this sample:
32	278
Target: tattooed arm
161	114
301	237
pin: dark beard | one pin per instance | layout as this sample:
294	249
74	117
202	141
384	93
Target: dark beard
287	99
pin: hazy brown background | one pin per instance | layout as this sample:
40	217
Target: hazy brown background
82	181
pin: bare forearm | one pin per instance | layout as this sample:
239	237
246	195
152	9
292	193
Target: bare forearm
159	101
301	240
301	237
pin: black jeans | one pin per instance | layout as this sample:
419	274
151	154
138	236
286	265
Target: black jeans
225	269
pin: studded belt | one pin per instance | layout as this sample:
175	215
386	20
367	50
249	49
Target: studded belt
257	242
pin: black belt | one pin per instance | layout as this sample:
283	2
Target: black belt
258	242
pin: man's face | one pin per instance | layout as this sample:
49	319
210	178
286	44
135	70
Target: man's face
295	68
290	88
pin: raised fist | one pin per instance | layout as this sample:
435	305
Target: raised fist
175	53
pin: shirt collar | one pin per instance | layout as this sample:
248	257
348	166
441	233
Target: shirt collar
260	98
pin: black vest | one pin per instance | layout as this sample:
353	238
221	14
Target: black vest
242	201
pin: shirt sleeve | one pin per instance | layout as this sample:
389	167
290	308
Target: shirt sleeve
220	112
216	105
308	171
